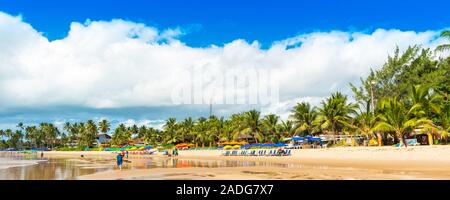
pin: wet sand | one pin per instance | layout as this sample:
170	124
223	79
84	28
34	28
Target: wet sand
421	162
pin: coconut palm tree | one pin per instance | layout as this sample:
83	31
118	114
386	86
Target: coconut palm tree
253	124
89	134
104	126
444	119
396	117
215	128
170	131
303	116
121	135
236	125
200	131
423	102
270	124
142	131
335	113
364	122
2	134
134	130
186	128
31	135
51	133
287	128
444	47
152	136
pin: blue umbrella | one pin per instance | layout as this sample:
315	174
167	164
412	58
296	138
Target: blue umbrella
297	138
280	144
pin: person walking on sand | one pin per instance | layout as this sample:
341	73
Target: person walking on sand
119	160
126	153
42	154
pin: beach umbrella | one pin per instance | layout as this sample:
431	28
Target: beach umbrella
280	144
297	138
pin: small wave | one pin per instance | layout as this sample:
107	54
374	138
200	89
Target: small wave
8	163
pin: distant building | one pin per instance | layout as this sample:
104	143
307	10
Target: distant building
137	142
103	139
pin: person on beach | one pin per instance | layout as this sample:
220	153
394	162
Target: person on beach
126	153
119	160
42	154
175	152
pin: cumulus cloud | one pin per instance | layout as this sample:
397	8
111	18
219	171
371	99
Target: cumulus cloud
114	64
158	124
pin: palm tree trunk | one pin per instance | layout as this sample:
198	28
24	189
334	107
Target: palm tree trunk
379	137
401	139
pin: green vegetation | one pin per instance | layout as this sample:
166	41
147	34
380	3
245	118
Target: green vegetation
410	91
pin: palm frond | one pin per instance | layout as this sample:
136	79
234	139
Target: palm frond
443	47
383	126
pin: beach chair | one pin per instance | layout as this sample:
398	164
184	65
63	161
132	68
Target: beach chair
287	153
227	153
253	153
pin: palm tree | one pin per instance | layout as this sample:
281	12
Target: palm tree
186	128
104	126
396	117
134	130
49	133
253	124
444	119
335	113
170	131
89	134
236	125
121	135
287	128
142	131
2	134
423	103
270	124
31	135
304	115
20	125
200	131
152	136
9	133
364	123
444	47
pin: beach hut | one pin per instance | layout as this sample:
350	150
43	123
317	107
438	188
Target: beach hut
103	140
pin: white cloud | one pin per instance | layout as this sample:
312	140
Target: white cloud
110	64
158	124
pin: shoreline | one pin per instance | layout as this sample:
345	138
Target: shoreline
419	162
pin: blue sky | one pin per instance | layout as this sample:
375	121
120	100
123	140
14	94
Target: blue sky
319	46
218	22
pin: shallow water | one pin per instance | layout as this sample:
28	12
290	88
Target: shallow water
32	167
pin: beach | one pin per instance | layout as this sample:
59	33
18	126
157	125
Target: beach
341	163
419	162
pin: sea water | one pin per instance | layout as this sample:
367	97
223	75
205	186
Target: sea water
8	162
